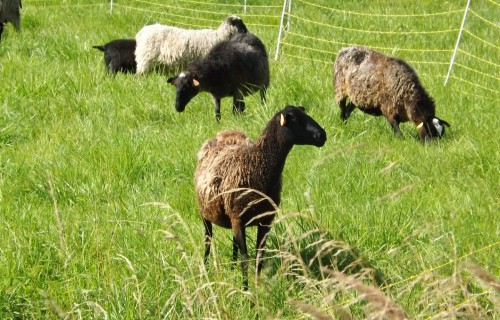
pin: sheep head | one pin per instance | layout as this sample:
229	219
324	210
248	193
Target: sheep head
187	87
299	128
432	128
235	21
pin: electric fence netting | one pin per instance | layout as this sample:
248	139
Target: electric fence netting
459	42
201	14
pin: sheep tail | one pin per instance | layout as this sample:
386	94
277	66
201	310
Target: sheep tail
101	48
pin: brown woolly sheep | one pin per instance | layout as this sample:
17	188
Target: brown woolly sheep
381	85
234	173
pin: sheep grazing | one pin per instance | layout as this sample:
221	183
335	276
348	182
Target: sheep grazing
236	67
381	85
233	173
9	12
119	55
171	48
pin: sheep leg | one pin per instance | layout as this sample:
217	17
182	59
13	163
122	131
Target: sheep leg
262	232
395	127
345	109
238	104
239	237
217	108
208	239
235	250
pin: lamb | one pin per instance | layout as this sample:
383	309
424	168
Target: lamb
381	85
171	48
234	173
9	12
236	67
119	55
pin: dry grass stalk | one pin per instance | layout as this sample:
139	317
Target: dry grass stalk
394	195
315	313
138	293
387	308
388	168
485	276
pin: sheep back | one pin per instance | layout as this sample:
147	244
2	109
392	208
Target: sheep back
119	55
225	164
239	65
381	85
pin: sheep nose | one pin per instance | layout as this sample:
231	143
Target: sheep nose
320	137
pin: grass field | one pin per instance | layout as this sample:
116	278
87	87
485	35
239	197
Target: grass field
98	217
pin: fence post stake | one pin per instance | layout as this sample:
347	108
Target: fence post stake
281	30
111	7
458	42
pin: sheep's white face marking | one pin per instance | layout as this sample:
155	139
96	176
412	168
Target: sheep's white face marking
282	120
182	75
438	126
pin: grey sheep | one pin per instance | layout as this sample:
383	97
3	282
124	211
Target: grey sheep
119	55
233	68
170	48
234	174
381	85
9	12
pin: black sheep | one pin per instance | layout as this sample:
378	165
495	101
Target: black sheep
9	12
236	67
119	55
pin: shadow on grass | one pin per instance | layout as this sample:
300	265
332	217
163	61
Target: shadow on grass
305	249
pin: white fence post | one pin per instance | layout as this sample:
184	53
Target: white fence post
281	30
111	7
289	18
458	42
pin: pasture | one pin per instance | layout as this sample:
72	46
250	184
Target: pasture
98	216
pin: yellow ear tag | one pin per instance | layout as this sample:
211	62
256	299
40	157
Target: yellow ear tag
195	82
282	120
420	125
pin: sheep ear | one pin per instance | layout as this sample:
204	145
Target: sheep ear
171	80
443	122
282	120
196	82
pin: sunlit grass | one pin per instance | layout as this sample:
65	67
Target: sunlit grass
97	204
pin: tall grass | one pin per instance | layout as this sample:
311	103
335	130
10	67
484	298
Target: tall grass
97	204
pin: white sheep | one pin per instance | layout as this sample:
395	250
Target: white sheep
170	48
